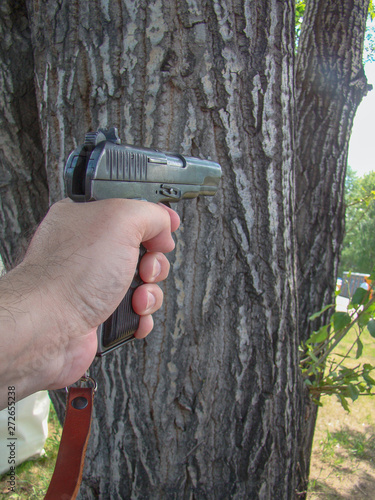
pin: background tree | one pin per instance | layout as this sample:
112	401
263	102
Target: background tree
212	405
358	252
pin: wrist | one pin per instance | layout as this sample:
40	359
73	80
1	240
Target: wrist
30	336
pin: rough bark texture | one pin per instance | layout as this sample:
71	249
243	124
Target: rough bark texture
212	404
23	181
330	84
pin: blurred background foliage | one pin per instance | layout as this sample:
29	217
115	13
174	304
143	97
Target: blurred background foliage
358	253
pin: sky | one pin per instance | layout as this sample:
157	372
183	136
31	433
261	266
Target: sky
362	142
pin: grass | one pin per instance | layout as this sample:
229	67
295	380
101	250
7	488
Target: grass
368	355
343	457
33	477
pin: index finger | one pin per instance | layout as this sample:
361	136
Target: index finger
175	218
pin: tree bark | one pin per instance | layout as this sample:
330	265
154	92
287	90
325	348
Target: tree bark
212	403
330	84
23	181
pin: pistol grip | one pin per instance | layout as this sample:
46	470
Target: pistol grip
120	327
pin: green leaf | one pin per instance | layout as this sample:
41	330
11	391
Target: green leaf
371	11
317	402
359	349
319	313
360	297
364	318
370	381
319	336
343	402
340	320
362	387
371	327
314	358
353	392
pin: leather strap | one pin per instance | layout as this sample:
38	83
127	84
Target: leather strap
67	475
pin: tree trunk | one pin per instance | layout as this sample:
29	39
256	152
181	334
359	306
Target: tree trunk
206	406
23	181
330	84
211	404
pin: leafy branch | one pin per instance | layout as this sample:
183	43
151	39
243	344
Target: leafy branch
325	374
366	199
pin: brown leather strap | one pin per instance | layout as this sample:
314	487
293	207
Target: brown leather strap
67	475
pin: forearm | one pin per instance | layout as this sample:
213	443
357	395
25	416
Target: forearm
38	334
17	350
27	318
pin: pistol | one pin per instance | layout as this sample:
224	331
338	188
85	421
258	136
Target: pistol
104	168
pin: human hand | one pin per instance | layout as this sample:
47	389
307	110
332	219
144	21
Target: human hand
76	271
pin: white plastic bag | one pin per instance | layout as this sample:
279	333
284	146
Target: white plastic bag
31	430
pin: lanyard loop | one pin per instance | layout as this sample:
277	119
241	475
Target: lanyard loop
67	475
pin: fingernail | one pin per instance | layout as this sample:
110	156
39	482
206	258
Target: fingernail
151	301
156	270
